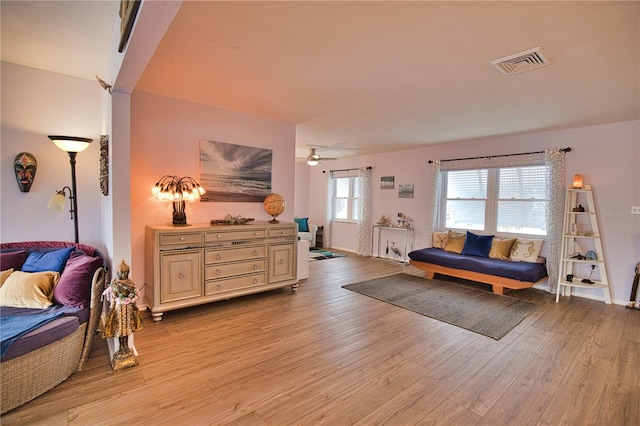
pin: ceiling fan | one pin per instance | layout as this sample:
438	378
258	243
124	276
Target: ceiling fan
313	159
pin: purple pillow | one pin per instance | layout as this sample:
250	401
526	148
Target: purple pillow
53	260
12	259
477	245
74	287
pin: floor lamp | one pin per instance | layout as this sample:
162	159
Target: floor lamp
72	145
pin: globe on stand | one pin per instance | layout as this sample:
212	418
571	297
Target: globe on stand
274	206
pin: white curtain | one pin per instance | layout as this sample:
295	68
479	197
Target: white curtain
434	202
553	158
328	210
364	202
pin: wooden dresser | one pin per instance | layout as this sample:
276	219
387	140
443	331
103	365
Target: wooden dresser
196	264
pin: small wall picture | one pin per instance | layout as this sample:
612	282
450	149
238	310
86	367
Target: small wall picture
387	182
405	191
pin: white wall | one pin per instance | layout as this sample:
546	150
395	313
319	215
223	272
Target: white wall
607	157
165	135
35	104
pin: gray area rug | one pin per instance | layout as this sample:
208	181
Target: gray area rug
489	314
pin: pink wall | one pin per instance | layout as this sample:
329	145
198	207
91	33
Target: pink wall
35	104
607	157
165	135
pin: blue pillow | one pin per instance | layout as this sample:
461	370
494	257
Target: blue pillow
477	245
303	223
53	260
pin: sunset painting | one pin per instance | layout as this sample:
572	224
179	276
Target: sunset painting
234	173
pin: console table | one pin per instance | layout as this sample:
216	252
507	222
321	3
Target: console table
406	236
192	265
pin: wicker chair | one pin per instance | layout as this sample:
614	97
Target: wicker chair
29	376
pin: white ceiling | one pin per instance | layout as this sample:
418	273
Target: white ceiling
371	76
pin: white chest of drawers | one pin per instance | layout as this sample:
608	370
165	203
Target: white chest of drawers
191	265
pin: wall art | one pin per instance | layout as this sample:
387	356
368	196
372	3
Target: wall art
25	166
128	12
405	191
387	182
104	164
234	173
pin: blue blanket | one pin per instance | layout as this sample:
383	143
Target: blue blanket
12	327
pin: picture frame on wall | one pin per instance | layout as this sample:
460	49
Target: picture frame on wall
405	191
234	173
128	13
387	182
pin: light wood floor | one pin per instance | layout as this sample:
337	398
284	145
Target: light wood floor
326	355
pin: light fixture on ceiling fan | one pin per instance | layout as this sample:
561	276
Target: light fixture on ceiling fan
313	159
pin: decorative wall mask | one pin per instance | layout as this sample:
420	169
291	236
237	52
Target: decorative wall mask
25	166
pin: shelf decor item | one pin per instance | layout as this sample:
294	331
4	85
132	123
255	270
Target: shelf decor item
577	182
274	205
177	191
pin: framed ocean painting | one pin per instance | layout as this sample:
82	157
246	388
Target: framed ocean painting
234	173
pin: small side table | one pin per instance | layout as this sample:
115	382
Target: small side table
406	234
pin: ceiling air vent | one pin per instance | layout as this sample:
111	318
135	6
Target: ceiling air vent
523	61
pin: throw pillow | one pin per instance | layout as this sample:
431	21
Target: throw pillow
12	259
477	245
303	223
28	290
440	239
501	248
4	275
74	287
455	242
53	260
526	250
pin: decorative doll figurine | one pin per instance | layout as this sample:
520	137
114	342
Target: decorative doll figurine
123	317
25	166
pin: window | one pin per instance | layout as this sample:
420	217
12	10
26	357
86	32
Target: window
345	201
509	200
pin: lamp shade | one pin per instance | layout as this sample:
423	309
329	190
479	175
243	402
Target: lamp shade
71	143
57	202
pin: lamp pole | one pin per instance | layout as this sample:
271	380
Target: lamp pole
73	198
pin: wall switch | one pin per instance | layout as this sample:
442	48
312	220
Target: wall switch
635	210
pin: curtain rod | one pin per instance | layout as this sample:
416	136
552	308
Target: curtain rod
346	170
498	156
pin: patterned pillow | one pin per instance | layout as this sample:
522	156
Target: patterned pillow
455	241
526	250
440	239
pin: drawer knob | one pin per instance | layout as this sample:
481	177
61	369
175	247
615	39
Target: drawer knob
255	252
218	256
218	272
255	266
282	261
219	236
284	232
181	275
255	233
255	281
218	286
181	238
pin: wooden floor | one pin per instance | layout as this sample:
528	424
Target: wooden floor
326	355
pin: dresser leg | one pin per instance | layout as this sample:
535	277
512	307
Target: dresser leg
294	287
157	316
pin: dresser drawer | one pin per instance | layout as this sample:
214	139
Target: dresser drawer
211	237
231	255
283	232
230	284
177	239
230	269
